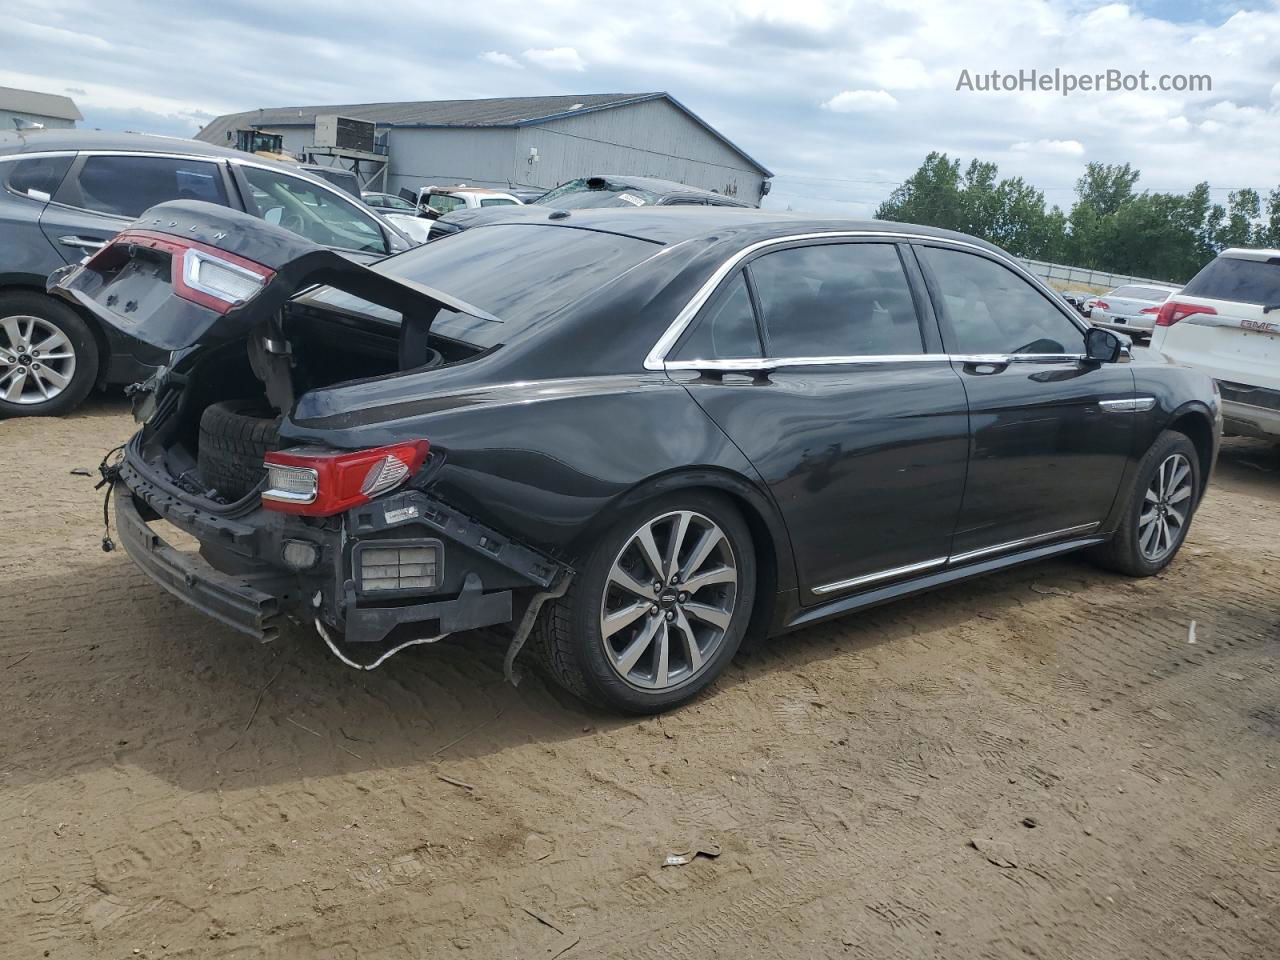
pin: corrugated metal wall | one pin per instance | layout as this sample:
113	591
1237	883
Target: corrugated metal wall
476	156
652	139
50	123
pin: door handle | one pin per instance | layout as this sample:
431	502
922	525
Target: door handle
984	366
83	243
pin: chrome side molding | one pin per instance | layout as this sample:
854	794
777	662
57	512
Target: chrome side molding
1128	405
878	576
893	573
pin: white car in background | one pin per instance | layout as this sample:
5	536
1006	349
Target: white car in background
1130	308
1226	323
438	201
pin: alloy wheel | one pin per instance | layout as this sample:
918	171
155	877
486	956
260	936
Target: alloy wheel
1165	508
668	600
37	360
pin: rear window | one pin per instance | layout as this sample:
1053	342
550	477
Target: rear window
1245	281
1140	293
517	272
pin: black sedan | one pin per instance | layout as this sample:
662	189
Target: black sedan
632	437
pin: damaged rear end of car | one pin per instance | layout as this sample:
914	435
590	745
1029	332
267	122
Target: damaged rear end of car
339	527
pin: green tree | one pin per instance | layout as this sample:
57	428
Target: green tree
1244	207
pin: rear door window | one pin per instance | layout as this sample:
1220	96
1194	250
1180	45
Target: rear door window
35	177
124	186
836	300
1232	278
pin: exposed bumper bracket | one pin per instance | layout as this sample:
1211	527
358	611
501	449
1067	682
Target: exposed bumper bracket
230	600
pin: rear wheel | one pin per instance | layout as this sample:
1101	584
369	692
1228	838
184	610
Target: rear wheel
48	356
659	607
1163	498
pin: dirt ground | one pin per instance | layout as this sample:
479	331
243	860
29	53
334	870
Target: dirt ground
1041	764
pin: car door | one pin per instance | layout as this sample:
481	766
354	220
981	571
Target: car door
26	184
818	360
104	192
1050	431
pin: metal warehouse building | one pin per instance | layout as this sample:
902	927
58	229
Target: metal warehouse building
526	141
30	109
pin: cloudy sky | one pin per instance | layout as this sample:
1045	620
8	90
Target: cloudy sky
841	100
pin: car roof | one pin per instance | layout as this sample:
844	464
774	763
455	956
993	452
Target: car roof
29	141
671	225
1250	253
656	185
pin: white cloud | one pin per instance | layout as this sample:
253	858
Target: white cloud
501	59
556	58
862	101
1061	148
783	82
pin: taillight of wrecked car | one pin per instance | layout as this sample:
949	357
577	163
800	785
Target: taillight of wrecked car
319	482
200	273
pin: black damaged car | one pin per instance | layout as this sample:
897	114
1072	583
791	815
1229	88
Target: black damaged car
629	437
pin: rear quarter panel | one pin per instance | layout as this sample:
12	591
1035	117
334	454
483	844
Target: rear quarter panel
552	461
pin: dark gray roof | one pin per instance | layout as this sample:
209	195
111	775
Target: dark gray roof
494	112
27	141
670	225
39	104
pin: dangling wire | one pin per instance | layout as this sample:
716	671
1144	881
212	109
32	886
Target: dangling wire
110	473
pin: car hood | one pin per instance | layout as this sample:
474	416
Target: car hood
142	285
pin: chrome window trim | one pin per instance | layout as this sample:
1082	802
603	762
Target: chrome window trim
773	363
867	578
656	358
37	155
1021	542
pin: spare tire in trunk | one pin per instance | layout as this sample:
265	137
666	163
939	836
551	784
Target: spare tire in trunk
234	437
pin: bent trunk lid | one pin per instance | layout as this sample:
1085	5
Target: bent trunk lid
142	285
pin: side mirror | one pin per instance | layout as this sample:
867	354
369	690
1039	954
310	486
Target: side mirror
1102	346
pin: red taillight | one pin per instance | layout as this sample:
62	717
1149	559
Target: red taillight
1102	305
201	274
1149	310
1171	312
319	482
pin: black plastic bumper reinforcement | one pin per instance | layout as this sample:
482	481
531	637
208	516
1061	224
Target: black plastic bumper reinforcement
230	600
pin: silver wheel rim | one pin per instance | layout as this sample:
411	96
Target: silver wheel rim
1165	508
37	361
669	600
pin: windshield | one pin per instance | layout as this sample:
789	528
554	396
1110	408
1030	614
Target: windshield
595	192
520	273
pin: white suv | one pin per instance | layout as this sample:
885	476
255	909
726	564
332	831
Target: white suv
1226	322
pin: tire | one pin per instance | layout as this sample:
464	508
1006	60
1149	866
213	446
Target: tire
603	668
1128	551
234	437
32	385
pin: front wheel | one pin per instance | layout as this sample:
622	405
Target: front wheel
1163	498
659	607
